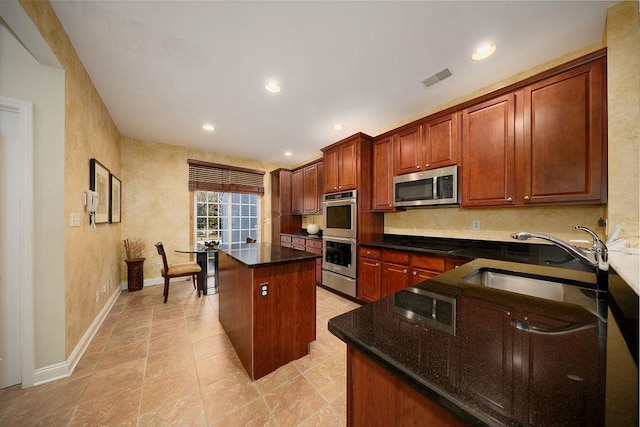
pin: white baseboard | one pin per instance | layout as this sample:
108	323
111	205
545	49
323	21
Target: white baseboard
65	369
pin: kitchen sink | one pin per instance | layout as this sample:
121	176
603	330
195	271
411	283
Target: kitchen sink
550	288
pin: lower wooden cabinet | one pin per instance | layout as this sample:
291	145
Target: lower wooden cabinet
532	377
308	245
382	272
375	397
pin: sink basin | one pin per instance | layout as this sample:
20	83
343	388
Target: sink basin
542	287
550	288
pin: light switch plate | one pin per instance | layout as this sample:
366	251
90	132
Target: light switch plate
75	219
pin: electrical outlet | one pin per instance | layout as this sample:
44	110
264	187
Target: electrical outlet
264	289
158	265
97	296
475	225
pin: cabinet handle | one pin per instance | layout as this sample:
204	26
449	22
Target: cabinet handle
415	274
526	197
427	165
377	264
574	327
404	271
509	199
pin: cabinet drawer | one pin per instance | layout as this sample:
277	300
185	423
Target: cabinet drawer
299	241
369	252
396	257
313	250
430	262
285	239
314	243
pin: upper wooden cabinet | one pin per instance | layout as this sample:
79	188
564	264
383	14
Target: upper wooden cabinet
488	153
341	167
383	175
282	219
430	145
542	144
564	150
297	191
307	189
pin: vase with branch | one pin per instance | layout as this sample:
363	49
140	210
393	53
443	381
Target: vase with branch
135	263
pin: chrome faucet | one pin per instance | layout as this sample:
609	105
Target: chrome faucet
600	263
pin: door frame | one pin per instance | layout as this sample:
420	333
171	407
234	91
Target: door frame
26	246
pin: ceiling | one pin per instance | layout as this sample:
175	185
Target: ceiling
165	68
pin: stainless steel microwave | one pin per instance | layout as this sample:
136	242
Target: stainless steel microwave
431	187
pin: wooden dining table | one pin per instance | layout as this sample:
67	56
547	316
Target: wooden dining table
202	258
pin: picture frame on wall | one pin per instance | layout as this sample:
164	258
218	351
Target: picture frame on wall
115	199
100	183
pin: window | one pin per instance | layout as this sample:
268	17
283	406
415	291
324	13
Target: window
227	217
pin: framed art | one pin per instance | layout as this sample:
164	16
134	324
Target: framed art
100	184
115	198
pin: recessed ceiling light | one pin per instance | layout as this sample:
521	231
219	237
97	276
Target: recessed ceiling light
484	51
273	87
288	153
338	126
208	127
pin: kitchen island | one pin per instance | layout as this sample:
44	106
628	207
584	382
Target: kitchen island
454	351
267	301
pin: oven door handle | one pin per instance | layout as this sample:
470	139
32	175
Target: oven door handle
339	202
339	239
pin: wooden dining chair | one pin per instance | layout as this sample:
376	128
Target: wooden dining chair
251	240
178	270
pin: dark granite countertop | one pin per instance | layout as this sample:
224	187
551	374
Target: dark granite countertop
254	255
473	355
530	253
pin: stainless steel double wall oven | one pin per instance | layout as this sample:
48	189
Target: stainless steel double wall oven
340	213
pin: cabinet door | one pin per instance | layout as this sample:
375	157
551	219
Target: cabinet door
331	170
486	353
394	277
564	154
563	389
310	189
369	276
488	147
347	162
297	192
408	151
440	141
383	175
419	274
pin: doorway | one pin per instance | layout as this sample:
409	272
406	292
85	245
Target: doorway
16	246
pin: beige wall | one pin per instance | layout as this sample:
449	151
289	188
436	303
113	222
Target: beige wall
156	202
623	57
91	258
22	77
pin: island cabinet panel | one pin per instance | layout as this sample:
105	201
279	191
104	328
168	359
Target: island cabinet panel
488	153
268	331
284	320
486	353
375	397
383	176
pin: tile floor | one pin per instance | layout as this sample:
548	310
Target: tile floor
153	364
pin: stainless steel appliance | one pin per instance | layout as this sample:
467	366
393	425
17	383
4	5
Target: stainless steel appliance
340	214
431	187
339	237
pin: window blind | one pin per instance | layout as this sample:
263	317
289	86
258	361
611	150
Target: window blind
216	177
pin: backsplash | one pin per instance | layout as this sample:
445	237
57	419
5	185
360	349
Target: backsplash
494	224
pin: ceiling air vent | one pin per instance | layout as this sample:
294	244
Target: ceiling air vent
437	77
